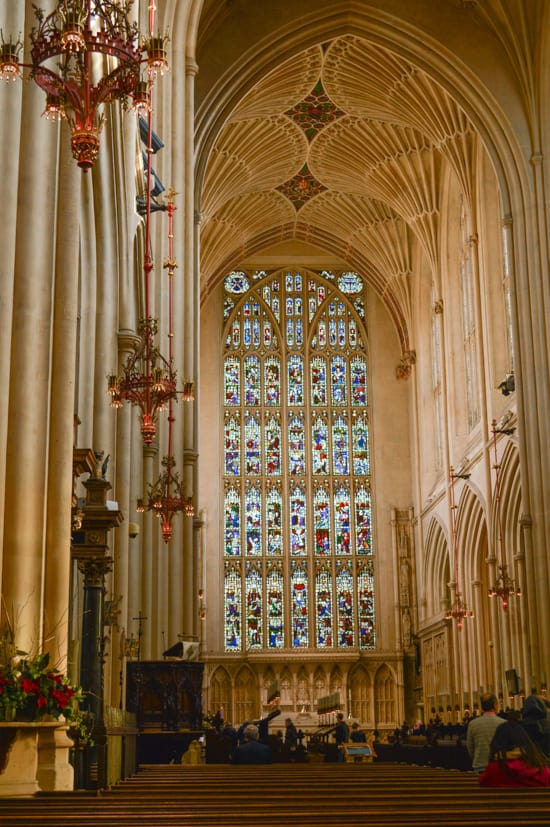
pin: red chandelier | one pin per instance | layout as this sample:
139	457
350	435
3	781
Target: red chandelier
84	54
458	611
504	586
148	380
166	496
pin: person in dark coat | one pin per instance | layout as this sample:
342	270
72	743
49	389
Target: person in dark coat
341	734
251	751
357	735
534	719
291	740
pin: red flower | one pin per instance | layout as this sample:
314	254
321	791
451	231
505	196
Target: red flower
30	687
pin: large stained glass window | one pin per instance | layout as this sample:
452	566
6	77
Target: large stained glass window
298	542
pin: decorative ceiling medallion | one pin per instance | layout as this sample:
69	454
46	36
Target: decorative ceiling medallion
314	112
301	188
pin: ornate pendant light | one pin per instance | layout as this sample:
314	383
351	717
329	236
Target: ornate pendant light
458	611
148	379
166	496
504	587
84	54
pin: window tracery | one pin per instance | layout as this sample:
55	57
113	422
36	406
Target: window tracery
298	545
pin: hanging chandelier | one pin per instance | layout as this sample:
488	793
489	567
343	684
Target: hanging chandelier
504	586
166	497
147	380
84	54
458	611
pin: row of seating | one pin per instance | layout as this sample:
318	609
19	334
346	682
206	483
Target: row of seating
339	795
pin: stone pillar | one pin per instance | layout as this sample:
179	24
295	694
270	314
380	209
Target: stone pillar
30	373
13	20
60	482
90	550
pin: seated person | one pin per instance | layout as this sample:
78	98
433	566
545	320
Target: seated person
357	735
252	751
514	760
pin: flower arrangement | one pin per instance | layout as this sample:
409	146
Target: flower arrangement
30	688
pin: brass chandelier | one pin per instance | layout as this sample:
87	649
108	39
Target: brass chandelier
166	496
84	54
504	586
458	611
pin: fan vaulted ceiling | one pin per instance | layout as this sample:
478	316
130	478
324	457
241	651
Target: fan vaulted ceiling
345	147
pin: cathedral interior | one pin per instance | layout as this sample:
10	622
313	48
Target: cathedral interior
330	231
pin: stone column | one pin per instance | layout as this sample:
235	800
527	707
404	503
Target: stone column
13	17
60	471
30	371
90	550
127	341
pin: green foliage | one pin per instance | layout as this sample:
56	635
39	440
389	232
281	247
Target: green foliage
30	688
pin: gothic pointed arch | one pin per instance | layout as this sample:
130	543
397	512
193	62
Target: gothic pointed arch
360	694
436	570
220	691
246	695
385	694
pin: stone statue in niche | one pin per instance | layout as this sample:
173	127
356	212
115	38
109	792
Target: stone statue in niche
404	576
406	628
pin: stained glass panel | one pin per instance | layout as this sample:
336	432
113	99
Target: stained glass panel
321	516
253	591
340	446
236	282
295	380
360	446
344	590
232	447
273	447
320	447
274	522
253	522
236	333
350	283
272	381
358	368
232	511
299	597
366	615
289	332
252	446
296	463
318	381
362	504
252	380
256	333
342	521
296	452
232	375
232	608
275	608
338	380
323	615
297	522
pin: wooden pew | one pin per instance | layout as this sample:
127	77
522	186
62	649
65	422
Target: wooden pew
363	795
